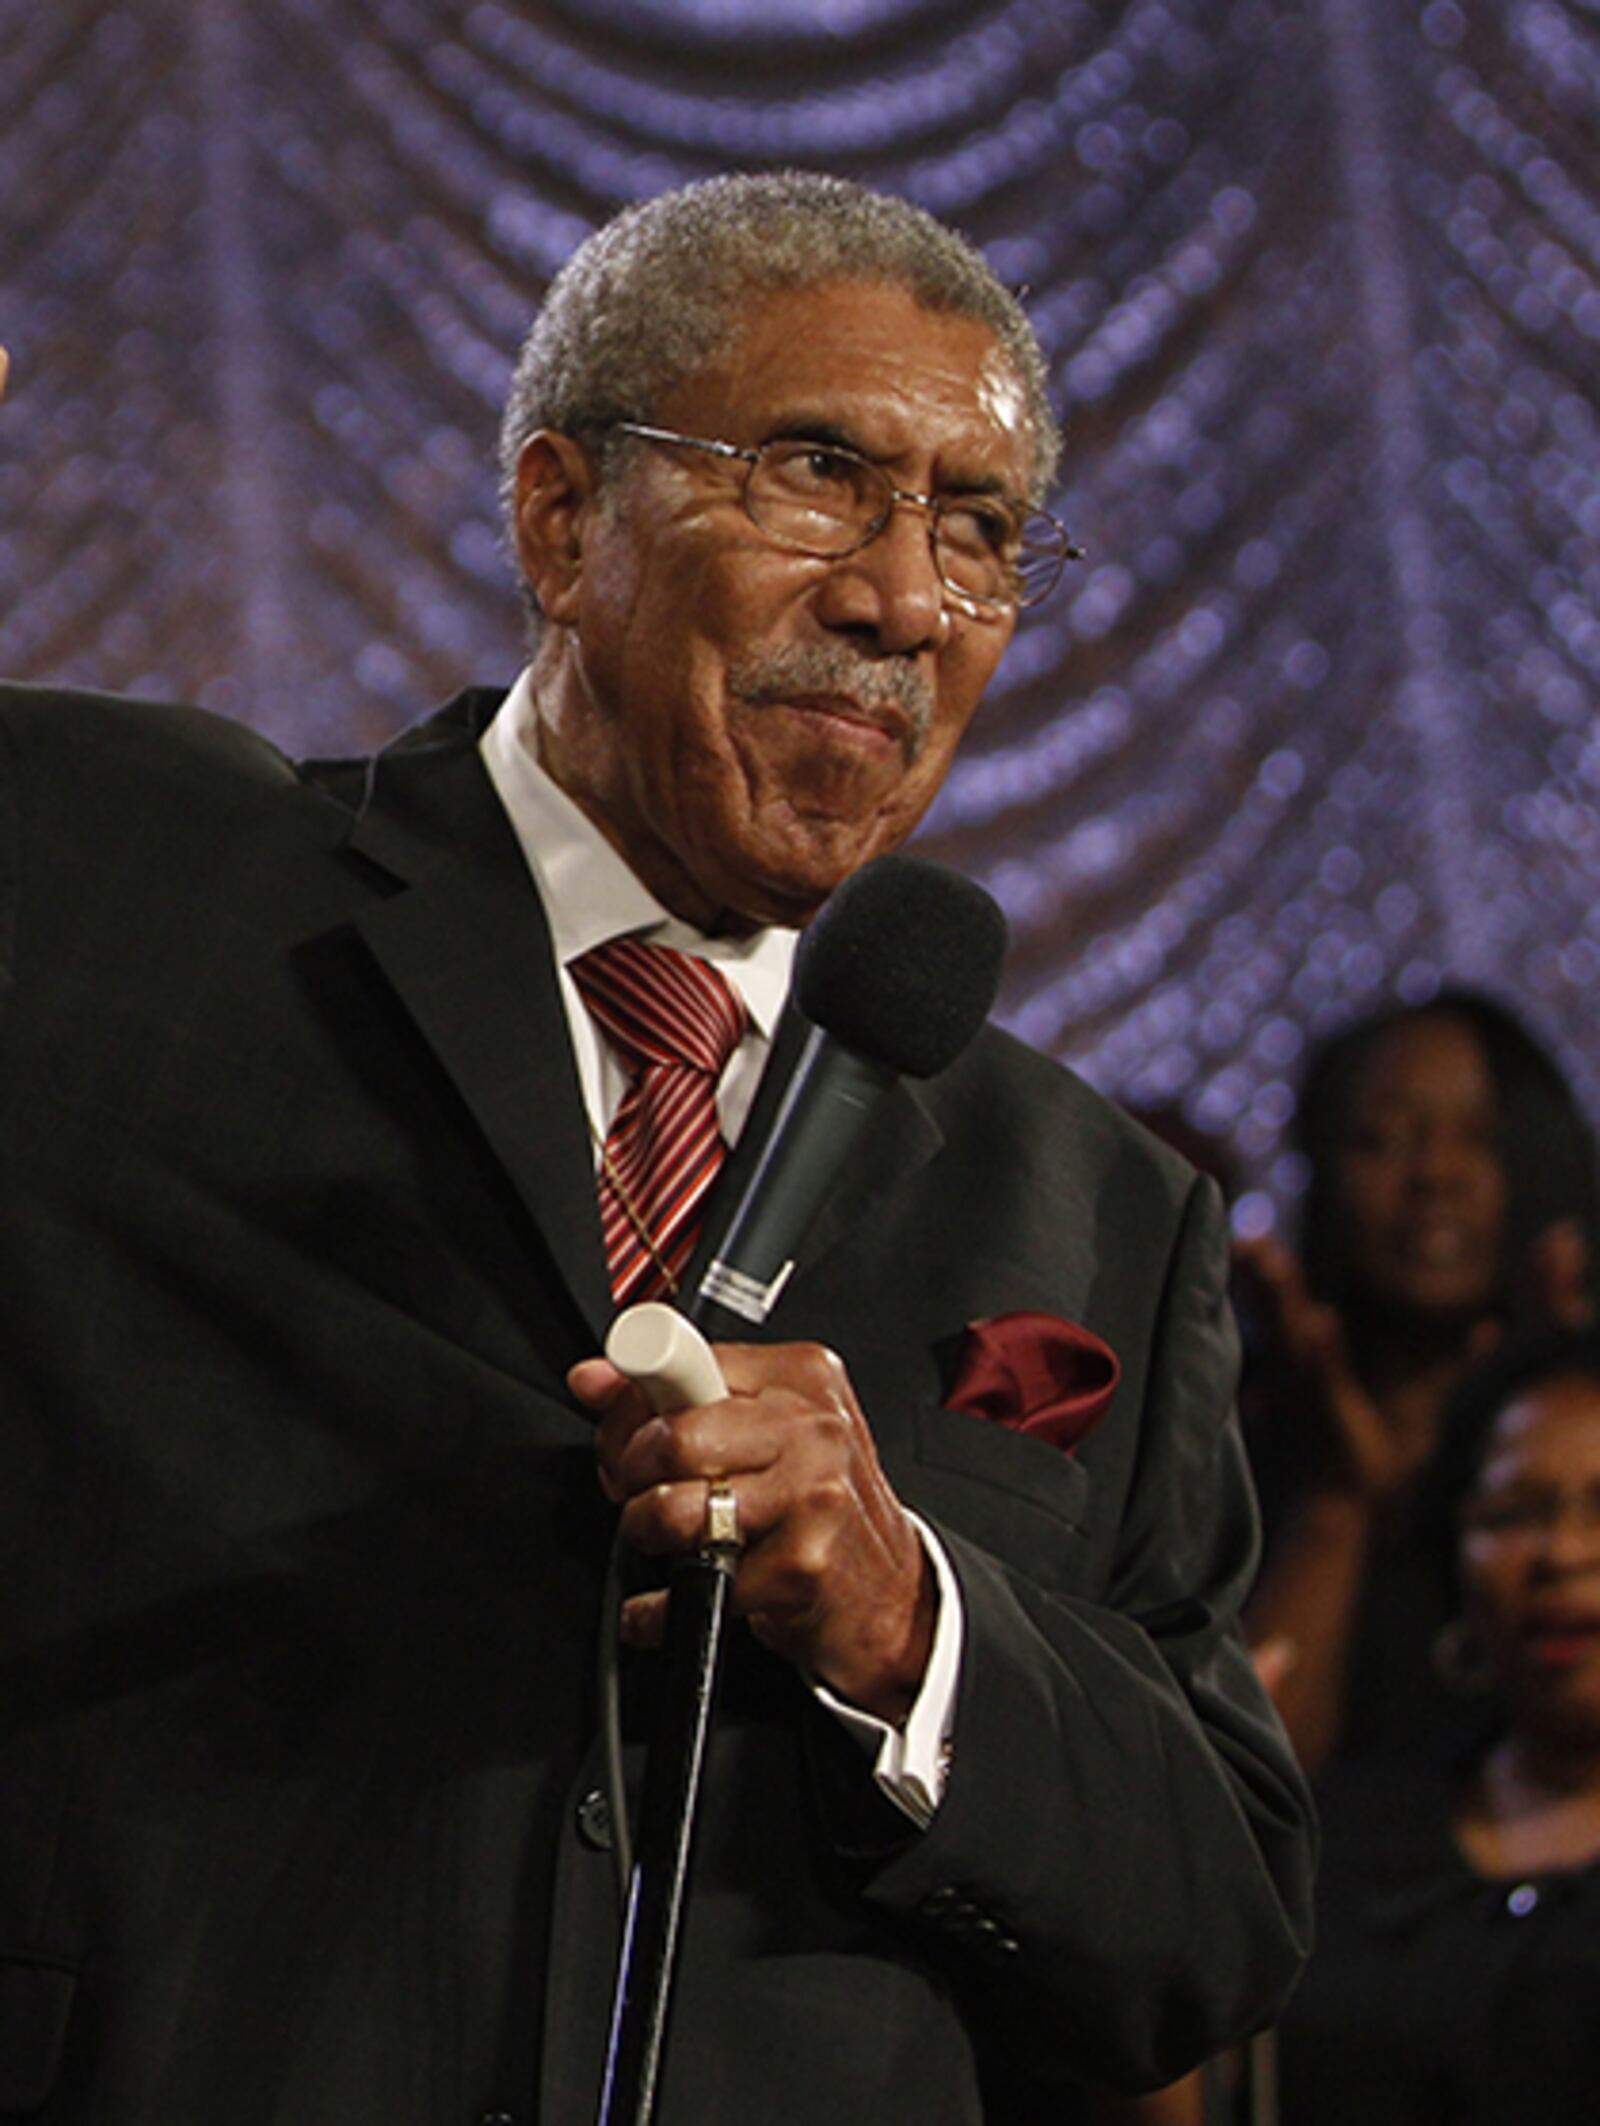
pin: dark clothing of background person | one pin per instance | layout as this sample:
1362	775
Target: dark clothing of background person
305	1539
1397	1697
1437	1995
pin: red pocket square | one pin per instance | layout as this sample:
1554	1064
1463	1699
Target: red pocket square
1036	1373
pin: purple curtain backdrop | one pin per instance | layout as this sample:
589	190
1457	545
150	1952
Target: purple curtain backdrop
1320	284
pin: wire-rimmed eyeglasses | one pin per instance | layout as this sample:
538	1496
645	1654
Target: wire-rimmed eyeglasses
826	499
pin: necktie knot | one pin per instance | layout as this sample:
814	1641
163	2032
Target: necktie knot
659	1006
674	1021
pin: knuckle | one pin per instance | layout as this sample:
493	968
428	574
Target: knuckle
664	1516
680	1450
833	1431
818	1369
788	1594
667	1450
825	1500
806	1555
809	1562
680	1511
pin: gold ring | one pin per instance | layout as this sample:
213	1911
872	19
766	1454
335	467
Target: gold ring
721	1528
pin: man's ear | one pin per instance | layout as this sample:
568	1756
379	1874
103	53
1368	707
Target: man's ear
556	495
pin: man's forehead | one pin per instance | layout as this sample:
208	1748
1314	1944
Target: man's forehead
872	363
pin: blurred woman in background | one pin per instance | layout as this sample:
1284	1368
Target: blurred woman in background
1451	1196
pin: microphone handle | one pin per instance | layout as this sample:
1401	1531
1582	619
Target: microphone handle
831	1096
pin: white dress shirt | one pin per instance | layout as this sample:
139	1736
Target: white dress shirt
591	896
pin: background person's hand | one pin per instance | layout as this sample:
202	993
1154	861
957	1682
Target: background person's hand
1357	1452
1274	1658
1558	1292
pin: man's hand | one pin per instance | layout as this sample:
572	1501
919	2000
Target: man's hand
834	1576
5	364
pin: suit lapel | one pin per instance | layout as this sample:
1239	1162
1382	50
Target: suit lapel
464	943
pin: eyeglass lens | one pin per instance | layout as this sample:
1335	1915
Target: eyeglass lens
830	501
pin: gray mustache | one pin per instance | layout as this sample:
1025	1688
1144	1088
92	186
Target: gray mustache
832	668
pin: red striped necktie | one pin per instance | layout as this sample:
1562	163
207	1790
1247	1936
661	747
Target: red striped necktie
674	1021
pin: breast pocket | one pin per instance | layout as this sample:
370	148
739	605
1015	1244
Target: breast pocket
1030	1505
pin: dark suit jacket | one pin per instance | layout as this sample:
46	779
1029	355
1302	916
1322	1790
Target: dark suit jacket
303	1540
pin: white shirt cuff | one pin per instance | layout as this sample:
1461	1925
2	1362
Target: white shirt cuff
911	1763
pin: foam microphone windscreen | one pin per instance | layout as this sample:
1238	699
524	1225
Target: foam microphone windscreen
902	964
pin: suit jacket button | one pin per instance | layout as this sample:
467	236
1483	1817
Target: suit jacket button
594	1820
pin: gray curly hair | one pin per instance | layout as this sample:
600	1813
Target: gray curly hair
656	292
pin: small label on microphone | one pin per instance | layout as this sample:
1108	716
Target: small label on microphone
740	1293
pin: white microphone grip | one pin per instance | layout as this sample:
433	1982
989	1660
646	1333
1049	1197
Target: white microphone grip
664	1352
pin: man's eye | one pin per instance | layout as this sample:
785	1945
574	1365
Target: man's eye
980	528
819	466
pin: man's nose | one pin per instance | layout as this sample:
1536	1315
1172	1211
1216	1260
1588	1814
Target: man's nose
891	586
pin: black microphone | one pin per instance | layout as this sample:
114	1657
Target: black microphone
895	975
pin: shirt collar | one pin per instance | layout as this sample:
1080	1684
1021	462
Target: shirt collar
589	893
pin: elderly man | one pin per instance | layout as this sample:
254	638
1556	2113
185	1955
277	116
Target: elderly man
317	1107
